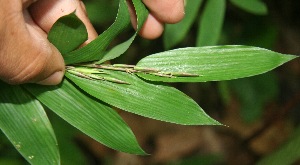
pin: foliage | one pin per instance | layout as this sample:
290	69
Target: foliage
212	16
285	155
90	88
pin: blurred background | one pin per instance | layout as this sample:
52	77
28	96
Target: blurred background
261	113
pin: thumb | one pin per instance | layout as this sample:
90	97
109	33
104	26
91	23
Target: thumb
26	55
53	70
52	64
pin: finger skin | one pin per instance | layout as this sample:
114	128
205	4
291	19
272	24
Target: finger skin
167	11
161	11
27	3
25	53
152	28
46	12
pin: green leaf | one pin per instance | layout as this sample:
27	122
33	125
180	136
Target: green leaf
211	23
91	117
287	154
213	63
154	101
142	14
117	50
95	50
70	151
254	93
68	33
97	11
25	123
252	6
174	33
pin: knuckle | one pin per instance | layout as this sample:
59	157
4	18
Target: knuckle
167	11
22	60
177	11
24	71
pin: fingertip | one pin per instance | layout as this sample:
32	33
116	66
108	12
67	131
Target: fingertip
45	13
53	79
82	14
167	11
152	28
54	68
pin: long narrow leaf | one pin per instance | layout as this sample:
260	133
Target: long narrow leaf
68	33
25	123
96	49
211	23
91	117
252	6
141	12
214	63
118	50
154	101
174	33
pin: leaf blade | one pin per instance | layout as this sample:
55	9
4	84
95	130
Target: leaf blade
213	63
25	123
68	33
154	101
210	25
142	14
88	115
171	35
117	50
254	6
95	50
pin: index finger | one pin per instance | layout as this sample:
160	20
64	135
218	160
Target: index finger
46	12
167	11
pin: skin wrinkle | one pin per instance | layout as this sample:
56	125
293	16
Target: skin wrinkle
19	66
32	69
36	66
31	57
6	54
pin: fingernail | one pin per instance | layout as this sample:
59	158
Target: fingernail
54	79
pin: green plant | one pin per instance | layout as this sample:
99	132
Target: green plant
85	96
212	15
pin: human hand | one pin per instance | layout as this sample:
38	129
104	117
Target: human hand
161	11
26	56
